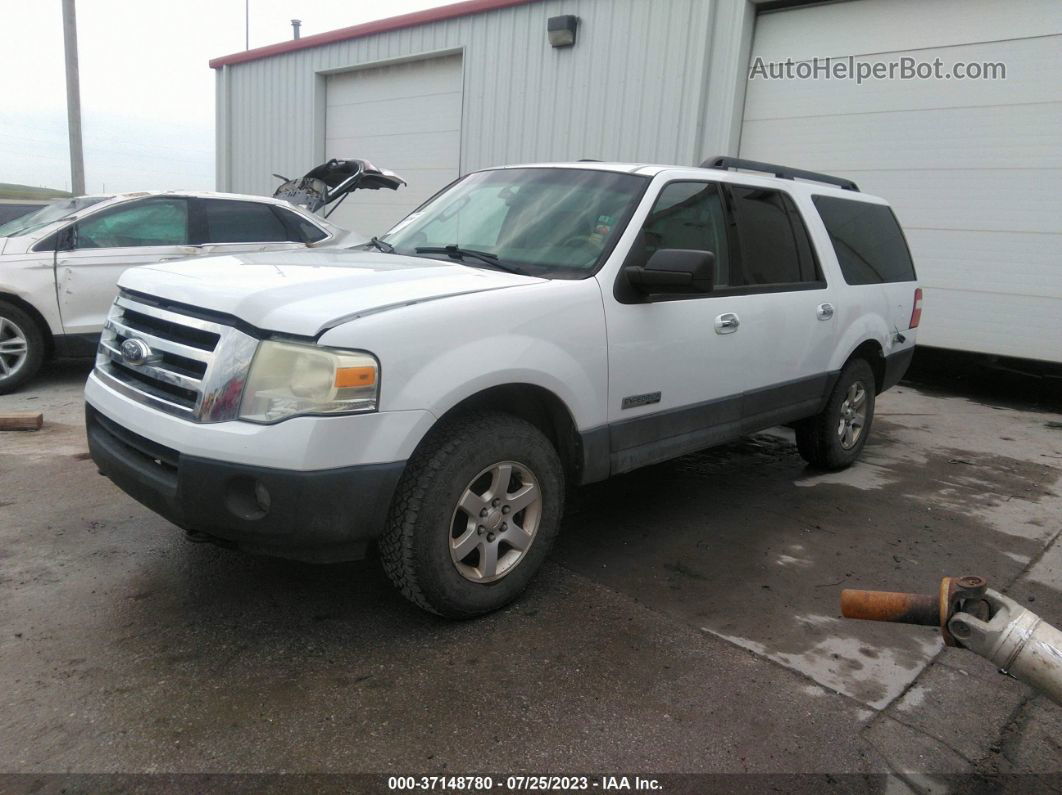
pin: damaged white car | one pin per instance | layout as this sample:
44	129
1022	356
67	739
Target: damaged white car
59	266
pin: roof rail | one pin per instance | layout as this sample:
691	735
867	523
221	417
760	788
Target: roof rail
725	162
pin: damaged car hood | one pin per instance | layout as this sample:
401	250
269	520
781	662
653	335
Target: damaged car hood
307	292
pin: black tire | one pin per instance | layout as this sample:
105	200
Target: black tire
16	371
819	438
416	546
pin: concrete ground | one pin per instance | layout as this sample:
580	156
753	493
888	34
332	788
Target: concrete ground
688	621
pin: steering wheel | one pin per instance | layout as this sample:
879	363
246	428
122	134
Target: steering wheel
577	241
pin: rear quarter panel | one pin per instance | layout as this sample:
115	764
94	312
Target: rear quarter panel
864	312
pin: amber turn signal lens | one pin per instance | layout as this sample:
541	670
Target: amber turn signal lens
355	376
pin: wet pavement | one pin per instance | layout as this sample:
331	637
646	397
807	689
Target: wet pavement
687	621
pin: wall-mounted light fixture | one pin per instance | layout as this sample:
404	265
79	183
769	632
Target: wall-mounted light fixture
561	30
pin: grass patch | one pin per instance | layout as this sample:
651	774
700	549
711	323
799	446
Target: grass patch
10	190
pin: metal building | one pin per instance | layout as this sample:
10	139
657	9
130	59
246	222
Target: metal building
970	165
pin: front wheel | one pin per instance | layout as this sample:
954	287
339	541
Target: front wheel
474	515
834	438
21	347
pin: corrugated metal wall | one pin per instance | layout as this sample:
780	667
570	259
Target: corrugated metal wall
634	88
970	166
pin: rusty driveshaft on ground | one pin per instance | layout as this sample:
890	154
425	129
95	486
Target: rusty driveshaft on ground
973	616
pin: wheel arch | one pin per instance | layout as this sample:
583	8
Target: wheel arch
871	352
537	405
36	317
869	337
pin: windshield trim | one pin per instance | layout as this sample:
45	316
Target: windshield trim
563	274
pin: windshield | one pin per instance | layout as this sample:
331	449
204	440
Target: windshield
48	214
552	222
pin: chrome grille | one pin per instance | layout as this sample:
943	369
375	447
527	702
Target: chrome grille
196	368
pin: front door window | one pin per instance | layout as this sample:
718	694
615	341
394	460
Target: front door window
152	222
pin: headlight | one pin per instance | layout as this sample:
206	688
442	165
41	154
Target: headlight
288	379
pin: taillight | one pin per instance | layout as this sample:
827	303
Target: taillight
916	313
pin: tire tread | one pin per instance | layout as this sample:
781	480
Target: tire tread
815	435
396	545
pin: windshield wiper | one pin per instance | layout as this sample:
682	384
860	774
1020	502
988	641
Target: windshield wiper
380	245
456	252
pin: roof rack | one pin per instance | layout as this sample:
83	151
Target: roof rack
724	163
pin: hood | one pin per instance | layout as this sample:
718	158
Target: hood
307	292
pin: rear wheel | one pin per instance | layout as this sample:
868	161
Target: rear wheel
474	515
21	347
834	438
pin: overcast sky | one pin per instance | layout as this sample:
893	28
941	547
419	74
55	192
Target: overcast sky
147	94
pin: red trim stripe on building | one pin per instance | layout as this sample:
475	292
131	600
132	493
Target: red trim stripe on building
367	29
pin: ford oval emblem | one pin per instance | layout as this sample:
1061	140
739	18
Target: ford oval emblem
135	352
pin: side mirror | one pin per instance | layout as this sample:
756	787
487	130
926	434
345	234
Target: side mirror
674	270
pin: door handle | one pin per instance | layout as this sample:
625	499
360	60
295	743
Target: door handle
824	311
727	323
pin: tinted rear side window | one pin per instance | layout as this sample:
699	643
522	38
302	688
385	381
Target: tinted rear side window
774	243
299	228
867	239
241	222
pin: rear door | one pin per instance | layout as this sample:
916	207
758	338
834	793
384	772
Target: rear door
98	248
789	313
234	226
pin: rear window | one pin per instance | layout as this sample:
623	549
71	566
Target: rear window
230	221
299	228
867	239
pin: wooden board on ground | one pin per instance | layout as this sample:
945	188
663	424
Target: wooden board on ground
21	421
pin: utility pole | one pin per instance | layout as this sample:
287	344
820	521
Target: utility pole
247	24
73	100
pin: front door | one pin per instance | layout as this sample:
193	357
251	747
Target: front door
678	368
100	247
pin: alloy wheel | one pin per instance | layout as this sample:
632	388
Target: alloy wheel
14	350
495	521
853	417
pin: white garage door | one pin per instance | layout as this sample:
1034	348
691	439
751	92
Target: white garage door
405	117
971	166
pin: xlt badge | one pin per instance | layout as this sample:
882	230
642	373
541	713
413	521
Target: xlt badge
634	401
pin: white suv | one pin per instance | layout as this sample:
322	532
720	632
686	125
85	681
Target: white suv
526	329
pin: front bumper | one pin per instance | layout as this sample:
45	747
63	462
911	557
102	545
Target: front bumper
302	443
318	515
